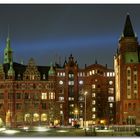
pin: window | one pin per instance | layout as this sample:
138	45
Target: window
61	105
44	76
81	105
36	96
111	90
111	105
51	95
71	105
71	83
61	112
93	102
93	95
80	82
63	73
61	82
93	109
71	98
44	96
135	77
18	106
135	86
26	96
1	95
110	82
93	116
81	98
128	82
90	73
93	72
71	75
43	105
111	99
93	86
107	74
61	98
18	96
10	95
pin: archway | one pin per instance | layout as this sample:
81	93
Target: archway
43	117
36	117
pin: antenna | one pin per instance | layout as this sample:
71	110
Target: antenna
8	31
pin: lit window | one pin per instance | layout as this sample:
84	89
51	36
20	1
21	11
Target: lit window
111	74
93	72
71	75
111	99
61	98
71	98
51	95
63	73
93	109
110	82
90	73
81	74
80	82
93	95
58	74
93	86
111	105
93	116
111	90
44	96
93	102
44	76
61	112
61	82
61	105
107	74
71	83
81	105
71	105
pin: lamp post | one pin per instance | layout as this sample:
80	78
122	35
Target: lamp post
85	110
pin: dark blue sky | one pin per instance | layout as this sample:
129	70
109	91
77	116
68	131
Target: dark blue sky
46	32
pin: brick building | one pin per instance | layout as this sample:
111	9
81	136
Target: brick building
36	95
127	79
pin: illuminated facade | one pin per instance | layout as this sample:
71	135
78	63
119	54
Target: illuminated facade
36	95
127	71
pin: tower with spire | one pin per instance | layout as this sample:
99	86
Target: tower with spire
126	66
8	51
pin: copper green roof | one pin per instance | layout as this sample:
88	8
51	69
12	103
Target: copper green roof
51	71
11	70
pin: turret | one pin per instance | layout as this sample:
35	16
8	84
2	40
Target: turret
11	72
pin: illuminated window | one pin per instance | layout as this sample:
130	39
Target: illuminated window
44	77
90	73
61	82
61	112
111	105
93	95
63	73
44	96
80	82
93	116
51	95
81	105
71	75
93	72
36	117
128	71
111	74
61	105
58	74
71	83
111	99
107	74
93	86
93	109
93	102
71	105
110	82
61	98
111	90
71	98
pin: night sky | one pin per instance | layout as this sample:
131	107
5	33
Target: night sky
46	32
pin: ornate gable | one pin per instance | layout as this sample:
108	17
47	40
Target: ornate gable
31	72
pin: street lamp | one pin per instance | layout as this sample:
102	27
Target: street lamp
85	110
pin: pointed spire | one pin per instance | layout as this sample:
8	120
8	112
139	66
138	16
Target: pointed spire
128	29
